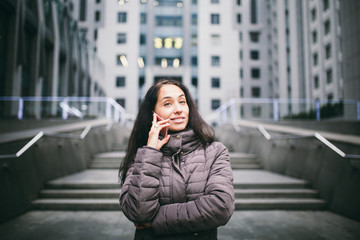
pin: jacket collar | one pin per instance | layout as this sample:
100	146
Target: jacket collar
185	141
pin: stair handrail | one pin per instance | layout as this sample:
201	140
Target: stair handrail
40	134
316	135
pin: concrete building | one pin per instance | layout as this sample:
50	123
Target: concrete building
323	54
190	41
350	39
42	54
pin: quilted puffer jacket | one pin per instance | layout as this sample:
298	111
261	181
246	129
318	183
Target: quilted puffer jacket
185	190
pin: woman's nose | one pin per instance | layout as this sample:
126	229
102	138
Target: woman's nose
177	108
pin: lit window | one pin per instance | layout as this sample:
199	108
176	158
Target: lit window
121	60
157	42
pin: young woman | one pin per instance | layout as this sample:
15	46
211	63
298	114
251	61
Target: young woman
179	186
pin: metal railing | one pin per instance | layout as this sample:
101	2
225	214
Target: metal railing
284	109
316	135
65	107
41	134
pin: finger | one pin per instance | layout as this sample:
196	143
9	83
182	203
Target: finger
154	120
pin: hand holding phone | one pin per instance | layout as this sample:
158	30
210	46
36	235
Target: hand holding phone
164	131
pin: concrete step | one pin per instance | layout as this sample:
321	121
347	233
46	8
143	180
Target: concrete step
87	185
237	157
275	193
116	155
104	166
246	166
76	204
80	193
279	203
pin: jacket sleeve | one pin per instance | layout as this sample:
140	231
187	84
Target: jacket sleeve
209	211
140	191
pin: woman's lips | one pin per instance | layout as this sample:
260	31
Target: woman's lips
178	119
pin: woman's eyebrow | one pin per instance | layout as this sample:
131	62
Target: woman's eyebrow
168	97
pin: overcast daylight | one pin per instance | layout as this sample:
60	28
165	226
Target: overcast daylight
180	119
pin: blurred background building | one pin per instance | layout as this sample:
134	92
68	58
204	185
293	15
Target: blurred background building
302	53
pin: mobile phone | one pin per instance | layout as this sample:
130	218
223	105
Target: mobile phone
163	131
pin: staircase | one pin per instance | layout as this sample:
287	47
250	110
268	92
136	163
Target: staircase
255	189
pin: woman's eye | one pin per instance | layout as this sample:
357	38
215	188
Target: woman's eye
167	104
182	102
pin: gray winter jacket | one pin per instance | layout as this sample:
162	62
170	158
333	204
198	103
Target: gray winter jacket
185	190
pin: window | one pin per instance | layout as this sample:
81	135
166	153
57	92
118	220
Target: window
97	16
255	73
255	92
316	82
143	18
215	82
194	19
214	1
194	40
241	92
121	101
120	81
241	73
330	96
326	5
327	27
121	60
121	38
328	51
253	13
121	17
314	36
254	55
238	2
315	59
329	76
238	18
256	111
98	1
83	10
215	61
241	54
254	37
194	81
194	61
240	36
215	39
194	2
95	34
171	21
142	39
215	18
313	14
215	104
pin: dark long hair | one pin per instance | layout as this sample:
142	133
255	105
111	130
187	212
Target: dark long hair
142	125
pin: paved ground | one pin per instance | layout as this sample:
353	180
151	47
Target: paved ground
250	225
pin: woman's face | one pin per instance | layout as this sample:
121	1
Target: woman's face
171	104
